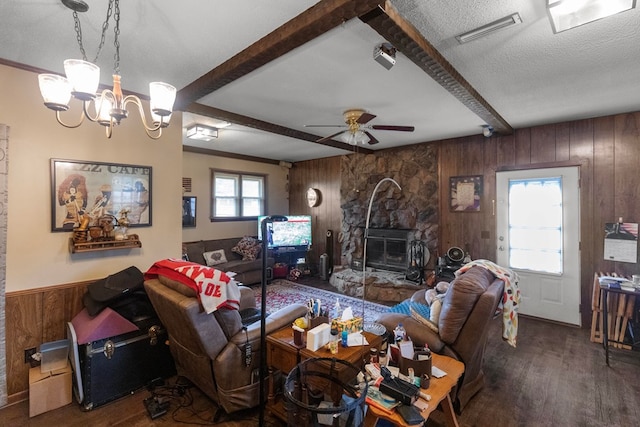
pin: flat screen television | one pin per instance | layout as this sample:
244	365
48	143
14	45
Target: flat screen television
295	232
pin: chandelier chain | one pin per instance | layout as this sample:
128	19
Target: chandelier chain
116	41
105	25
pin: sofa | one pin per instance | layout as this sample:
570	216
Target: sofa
248	271
469	304
216	352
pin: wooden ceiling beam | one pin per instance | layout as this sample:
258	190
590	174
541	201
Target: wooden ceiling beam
216	113
315	21
407	39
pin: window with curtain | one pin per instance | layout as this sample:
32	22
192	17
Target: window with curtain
237	195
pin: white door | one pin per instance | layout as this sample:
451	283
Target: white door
538	229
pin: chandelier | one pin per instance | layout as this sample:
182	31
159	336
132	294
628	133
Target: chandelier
82	80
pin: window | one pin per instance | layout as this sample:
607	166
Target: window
535	224
236	195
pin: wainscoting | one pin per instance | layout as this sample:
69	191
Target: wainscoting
32	318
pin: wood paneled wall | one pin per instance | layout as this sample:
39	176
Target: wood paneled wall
323	174
34	317
607	150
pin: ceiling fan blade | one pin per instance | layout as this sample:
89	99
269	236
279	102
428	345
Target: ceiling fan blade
397	128
372	139
326	138
325	126
365	118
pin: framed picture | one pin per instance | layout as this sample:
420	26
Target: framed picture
465	193
188	211
85	191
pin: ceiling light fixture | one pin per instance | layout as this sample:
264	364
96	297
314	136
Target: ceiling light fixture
487	130
354	137
567	14
385	55
82	80
202	132
492	27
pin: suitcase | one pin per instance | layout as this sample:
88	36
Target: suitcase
110	368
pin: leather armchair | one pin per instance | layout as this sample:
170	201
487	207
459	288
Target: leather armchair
469	304
211	349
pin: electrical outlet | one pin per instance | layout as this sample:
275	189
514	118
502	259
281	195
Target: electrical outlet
28	353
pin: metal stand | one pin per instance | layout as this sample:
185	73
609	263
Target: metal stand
263	312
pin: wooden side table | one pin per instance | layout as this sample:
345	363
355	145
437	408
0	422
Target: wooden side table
439	390
284	355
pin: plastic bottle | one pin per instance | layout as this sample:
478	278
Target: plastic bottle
337	312
399	333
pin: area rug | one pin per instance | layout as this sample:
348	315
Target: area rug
281	293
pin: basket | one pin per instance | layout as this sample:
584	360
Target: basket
325	391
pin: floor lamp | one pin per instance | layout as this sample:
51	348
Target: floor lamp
263	308
366	235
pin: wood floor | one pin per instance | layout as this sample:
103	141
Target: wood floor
555	377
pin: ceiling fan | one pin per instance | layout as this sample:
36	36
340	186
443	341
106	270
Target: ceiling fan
356	133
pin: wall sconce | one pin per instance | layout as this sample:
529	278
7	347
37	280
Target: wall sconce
487	130
202	132
567	14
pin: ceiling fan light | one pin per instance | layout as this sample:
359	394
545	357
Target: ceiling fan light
84	77
163	95
360	137
55	91
567	14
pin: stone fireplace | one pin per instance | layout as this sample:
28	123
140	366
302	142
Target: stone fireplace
412	211
387	249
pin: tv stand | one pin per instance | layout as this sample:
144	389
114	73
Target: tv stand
289	254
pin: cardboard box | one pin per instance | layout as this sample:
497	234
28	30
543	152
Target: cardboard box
48	390
351	325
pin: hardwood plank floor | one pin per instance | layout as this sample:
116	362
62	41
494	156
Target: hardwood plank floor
555	377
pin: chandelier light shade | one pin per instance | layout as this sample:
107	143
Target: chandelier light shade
567	14
110	106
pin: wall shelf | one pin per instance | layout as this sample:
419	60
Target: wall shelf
104	245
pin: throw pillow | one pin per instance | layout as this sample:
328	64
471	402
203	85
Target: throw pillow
214	257
248	247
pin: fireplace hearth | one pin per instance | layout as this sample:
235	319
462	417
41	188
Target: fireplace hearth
387	248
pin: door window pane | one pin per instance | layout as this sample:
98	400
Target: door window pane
535	224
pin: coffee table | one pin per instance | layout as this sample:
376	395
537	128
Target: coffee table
439	390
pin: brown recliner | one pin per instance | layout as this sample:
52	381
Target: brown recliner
210	349
468	306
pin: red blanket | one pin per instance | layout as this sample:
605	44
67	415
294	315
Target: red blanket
214	287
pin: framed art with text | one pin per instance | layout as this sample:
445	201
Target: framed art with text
465	193
188	211
85	190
